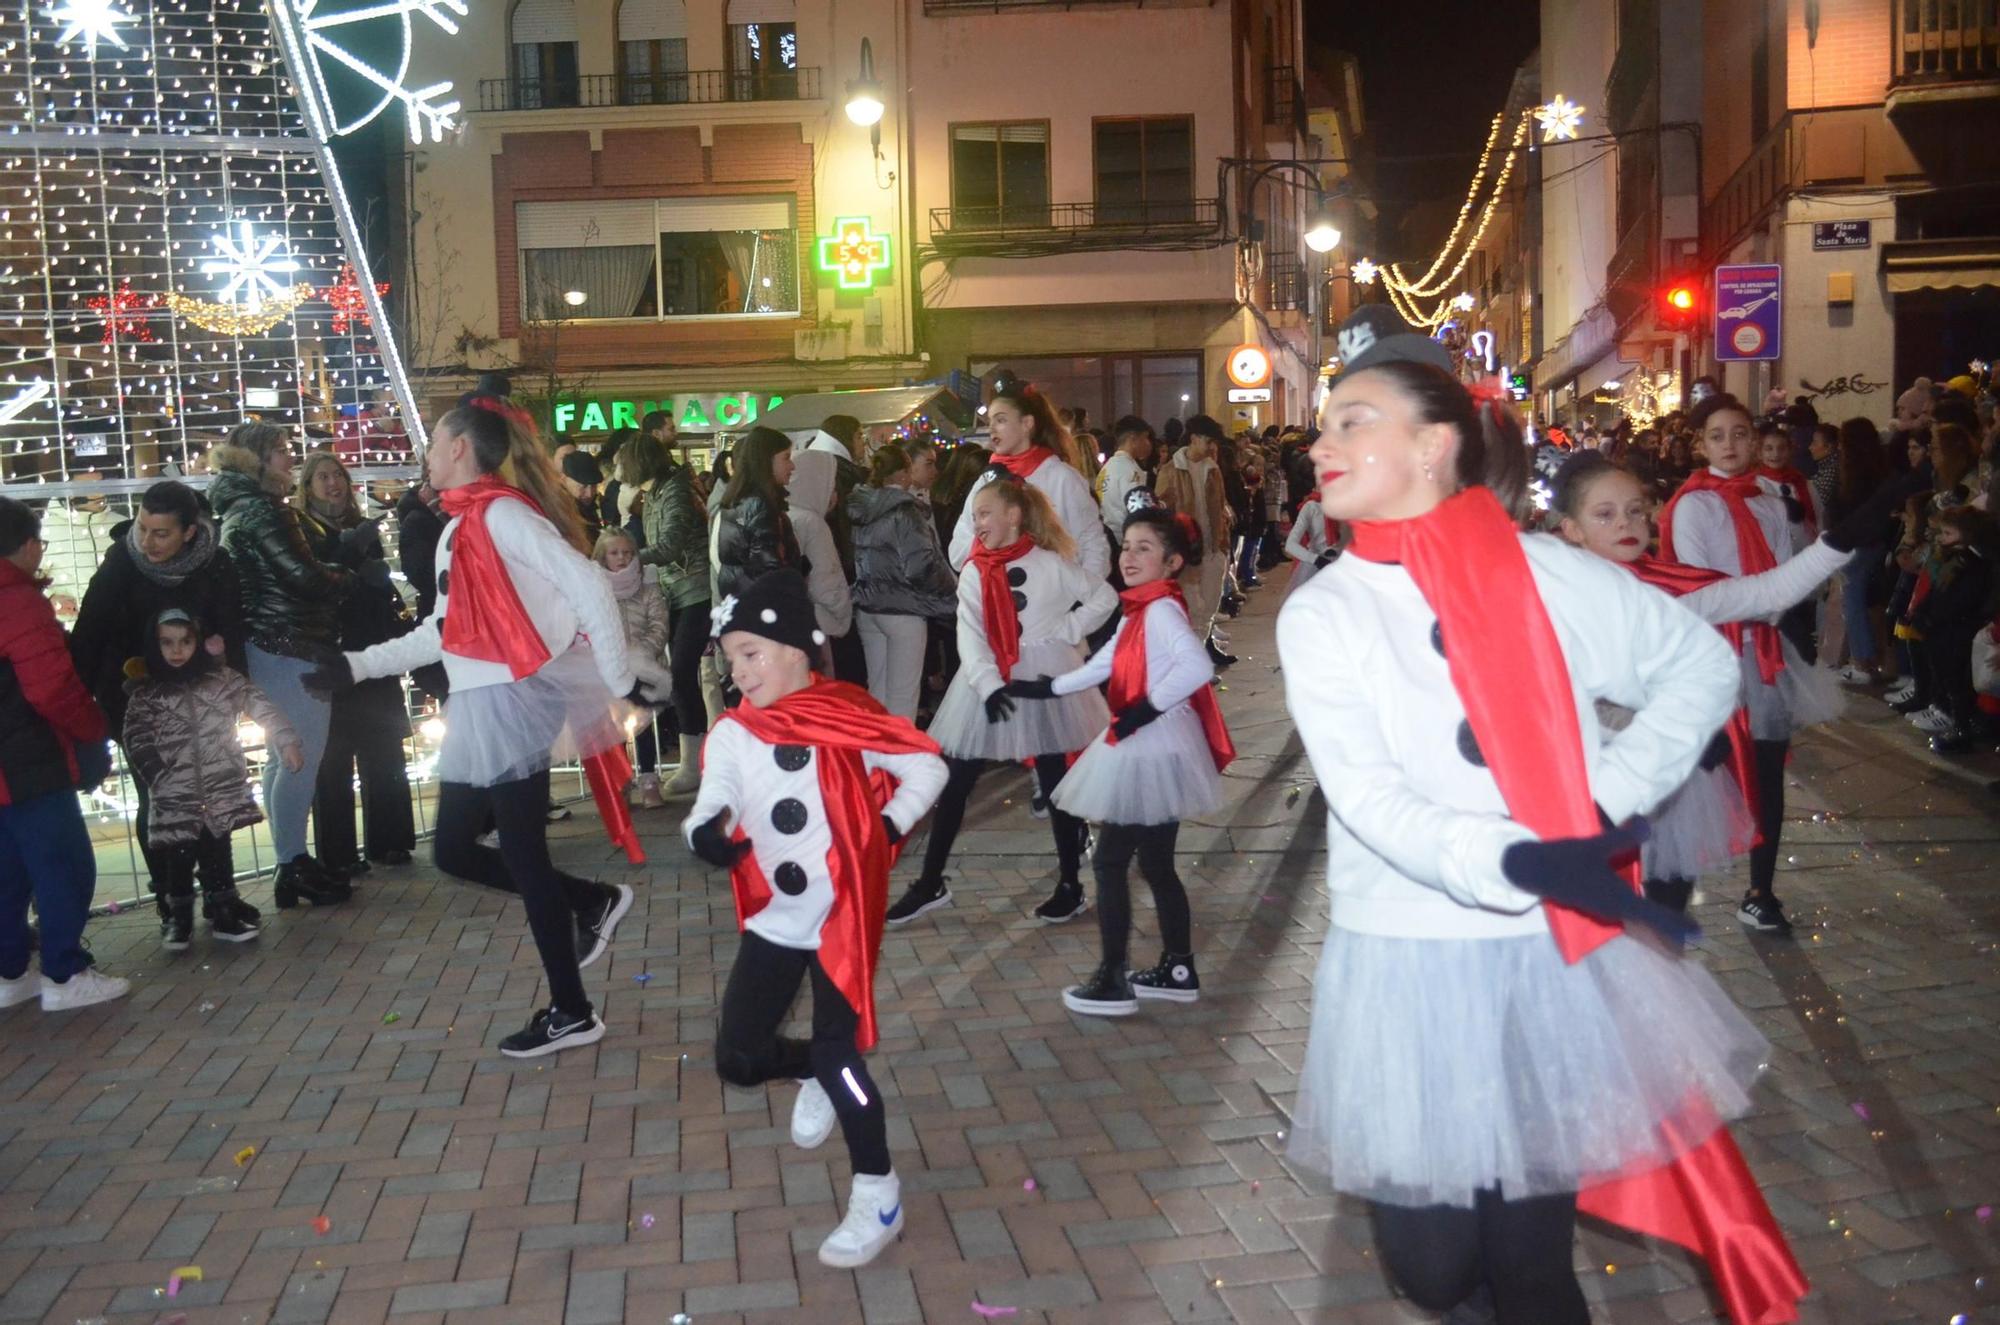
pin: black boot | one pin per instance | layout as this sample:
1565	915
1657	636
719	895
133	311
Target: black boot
921	897
1218	657
229	917
176	923
1106	994
300	880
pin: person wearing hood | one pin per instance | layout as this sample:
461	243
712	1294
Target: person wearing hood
902	580
166	556
291	612
1191	483
810	495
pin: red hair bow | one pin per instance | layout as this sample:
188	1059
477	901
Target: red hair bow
1488	391
506	410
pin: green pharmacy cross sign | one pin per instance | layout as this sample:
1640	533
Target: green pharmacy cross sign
854	254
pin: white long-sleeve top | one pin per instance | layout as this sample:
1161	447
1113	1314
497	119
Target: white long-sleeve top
1411	819
1121	474
1705	536
565	593
1761	597
1177	663
772	793
1067	491
1308	537
1056	599
826	583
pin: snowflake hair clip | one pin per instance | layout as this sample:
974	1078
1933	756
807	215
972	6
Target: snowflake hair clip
1355	341
719	615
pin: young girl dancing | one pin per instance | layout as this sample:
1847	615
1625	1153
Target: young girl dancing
808	788
1486	1037
1024	610
180	731
530	637
1158	763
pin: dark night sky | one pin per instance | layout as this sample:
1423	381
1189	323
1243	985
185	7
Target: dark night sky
1427	86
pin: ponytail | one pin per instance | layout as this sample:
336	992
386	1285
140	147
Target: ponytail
1049	430
504	445
1492	447
1039	520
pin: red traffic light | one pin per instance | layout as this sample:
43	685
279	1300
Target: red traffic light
1680	305
1681	298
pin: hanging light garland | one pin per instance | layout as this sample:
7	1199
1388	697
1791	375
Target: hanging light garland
239	319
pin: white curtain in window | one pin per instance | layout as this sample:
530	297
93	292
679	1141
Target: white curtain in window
763	11
652	20
614	281
539	21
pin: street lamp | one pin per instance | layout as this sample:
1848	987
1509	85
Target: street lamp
1322	235
864	94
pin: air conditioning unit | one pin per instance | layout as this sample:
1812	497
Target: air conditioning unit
821	343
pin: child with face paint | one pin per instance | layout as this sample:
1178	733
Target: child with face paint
808	788
1159	762
1498	1037
180	734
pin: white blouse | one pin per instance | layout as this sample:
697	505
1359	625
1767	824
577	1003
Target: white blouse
1069	493
1055	599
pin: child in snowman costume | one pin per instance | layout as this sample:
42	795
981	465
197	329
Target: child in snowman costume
808	788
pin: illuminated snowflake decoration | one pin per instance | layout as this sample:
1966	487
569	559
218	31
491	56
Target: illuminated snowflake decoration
1364	271
428	111
248	264
93	20
1560	119
1463	301
19	403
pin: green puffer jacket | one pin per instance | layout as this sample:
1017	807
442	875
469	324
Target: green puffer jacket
291	598
677	537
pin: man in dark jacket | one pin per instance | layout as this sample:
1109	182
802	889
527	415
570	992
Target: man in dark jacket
51	746
166	556
676	527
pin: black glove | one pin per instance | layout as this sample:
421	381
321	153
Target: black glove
636	697
1794	511
374	573
332	676
889	830
1716	754
93	764
713	844
1132	719
999	707
1042	687
1576	872
1864	524
1326	558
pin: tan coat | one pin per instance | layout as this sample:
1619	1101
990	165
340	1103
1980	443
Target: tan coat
1175	489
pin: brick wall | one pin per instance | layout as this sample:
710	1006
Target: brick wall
656	163
1849	65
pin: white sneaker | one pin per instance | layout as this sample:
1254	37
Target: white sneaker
1855	676
874	1220
1903	690
489	838
81	990
812	1116
1933	720
19	990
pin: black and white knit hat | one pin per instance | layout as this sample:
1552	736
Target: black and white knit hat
775	606
1375	334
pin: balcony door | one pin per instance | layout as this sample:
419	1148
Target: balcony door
763	50
652	52
543	38
1000	176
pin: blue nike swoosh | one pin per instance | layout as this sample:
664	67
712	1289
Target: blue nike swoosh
890	1217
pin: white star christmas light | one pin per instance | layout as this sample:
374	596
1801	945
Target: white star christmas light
426	110
1560	119
248	265
1364	271
1463	301
93	20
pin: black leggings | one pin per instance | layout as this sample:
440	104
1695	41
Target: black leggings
749	1051
1770	814
209	856
1440	1255
1112	863
688	630
553	899
949	816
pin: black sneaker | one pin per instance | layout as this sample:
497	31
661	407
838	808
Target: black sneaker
1067	902
232	920
393	856
1764	914
920	898
1218	657
549	1030
1953	741
595	927
557	813
1106	994
1173	979
1038	805
177	923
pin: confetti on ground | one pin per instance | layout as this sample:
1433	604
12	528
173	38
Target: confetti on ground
245	1155
187	1274
1028	1184
1984	1212
391	1018
644	977
991	1312
115	908
208	1007
322	1225
1860	1110
645	1221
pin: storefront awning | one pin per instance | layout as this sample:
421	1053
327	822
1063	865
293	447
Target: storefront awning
889	405
1909	265
1594	336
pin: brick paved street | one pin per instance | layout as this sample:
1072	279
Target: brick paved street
1076	1170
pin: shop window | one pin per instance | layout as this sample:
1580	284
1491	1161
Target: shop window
999	175
1156	387
763	50
543	36
652	52
670	258
1145	170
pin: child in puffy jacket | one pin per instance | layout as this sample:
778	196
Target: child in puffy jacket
180	735
643	608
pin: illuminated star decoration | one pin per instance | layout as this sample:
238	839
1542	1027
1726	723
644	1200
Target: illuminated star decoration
1364	271
426	113
1463	301
1560	119
248	265
124	312
93	20
348	301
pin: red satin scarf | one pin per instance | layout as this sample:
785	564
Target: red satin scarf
1128	670
996	601
1508	669
1024	464
1753	553
486	620
839	721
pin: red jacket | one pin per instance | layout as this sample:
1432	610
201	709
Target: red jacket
44	710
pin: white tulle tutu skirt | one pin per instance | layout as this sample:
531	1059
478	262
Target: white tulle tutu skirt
1436	1067
1038	727
1803	696
1159	774
503	733
1700	829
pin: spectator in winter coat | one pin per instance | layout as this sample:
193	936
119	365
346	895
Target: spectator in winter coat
642	610
902	579
51	747
675	541
1125	470
753	526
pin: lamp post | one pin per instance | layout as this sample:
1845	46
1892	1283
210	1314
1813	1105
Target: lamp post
864	99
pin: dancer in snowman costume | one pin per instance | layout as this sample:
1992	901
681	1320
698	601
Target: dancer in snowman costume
808	787
1031	446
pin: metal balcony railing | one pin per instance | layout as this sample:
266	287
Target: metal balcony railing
693	87
1076	217
946	8
1285	99
1945	41
1284	282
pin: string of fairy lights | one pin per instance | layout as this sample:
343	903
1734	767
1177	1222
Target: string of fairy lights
171	260
1559	119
